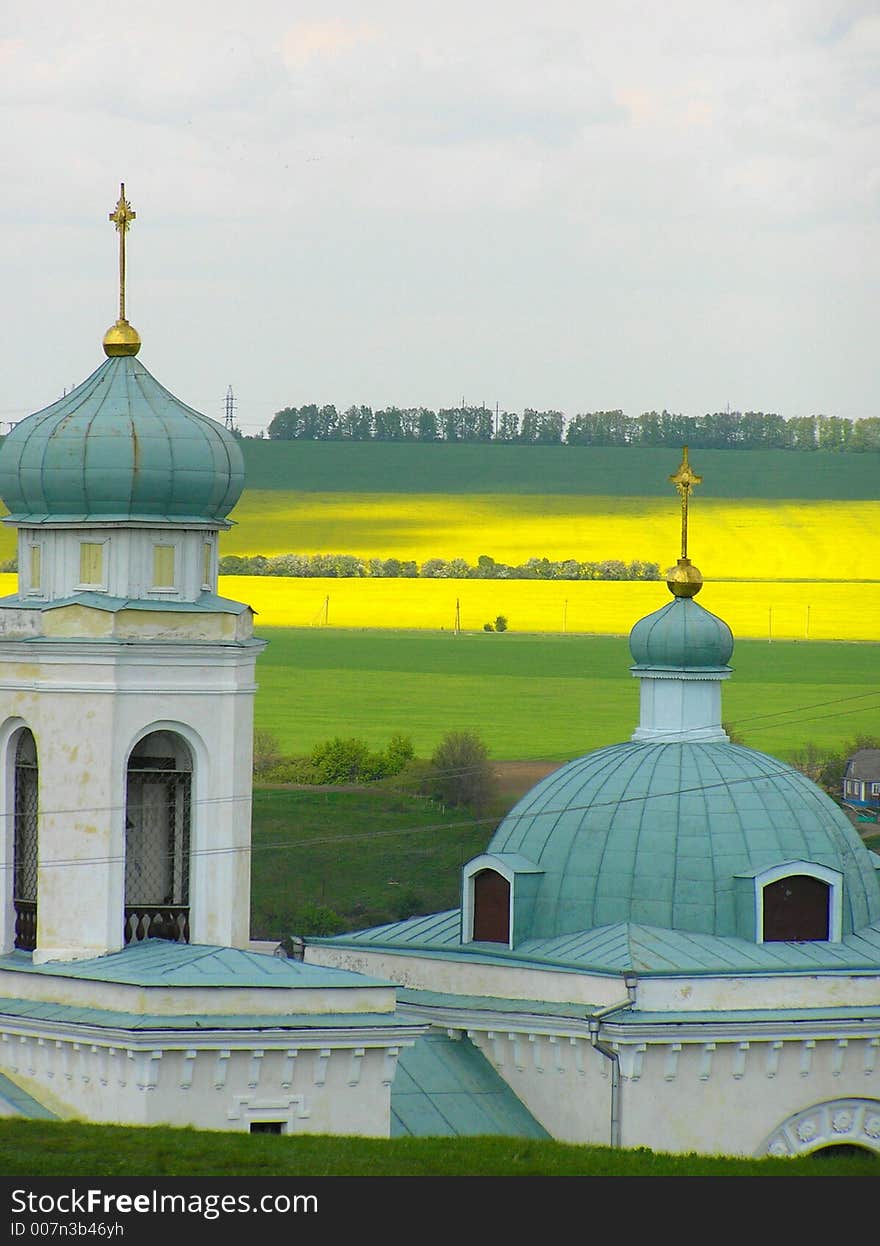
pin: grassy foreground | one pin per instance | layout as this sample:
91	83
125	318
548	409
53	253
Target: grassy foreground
43	1149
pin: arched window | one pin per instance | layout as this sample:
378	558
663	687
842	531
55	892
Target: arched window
24	886
491	907
157	835
796	909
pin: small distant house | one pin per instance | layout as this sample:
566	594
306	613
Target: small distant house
861	779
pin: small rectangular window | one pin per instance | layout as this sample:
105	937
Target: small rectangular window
875	789
91	563
36	568
206	565
163	566
267	1127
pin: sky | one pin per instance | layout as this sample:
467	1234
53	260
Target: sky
569	205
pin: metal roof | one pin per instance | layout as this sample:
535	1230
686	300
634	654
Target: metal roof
446	1088
21	1103
624	947
120	447
159	962
682	635
656	833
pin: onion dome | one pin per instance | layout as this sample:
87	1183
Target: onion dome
672	836
120	447
682	635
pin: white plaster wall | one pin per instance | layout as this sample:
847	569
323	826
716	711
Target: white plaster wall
679	708
336	1088
469	977
88	705
751	991
730	1098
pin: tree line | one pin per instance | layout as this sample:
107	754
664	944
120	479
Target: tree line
719	430
347	566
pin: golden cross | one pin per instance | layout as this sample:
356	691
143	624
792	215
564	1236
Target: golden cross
122	217
684	480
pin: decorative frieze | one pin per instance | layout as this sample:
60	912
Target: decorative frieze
853	1122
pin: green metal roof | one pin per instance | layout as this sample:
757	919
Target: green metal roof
447	1088
159	962
120	447
682	635
625	947
20	1103
656	833
206	603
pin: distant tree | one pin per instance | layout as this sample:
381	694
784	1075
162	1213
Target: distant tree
267	750
461	773
501	623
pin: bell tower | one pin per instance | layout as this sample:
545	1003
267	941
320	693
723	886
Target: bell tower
126	682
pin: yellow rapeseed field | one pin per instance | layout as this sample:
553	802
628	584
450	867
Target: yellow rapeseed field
817	611
728	538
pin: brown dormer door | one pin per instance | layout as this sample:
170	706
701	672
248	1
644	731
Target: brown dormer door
491	908
796	909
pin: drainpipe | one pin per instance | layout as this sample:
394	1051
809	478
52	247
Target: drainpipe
594	1022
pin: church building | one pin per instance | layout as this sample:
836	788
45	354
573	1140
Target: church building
128	989
670	942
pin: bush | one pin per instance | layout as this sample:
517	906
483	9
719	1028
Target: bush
320	920
462	774
501	623
339	760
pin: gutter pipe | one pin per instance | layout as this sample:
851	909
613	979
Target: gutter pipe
594	1022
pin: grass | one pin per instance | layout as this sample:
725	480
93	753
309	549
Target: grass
46	1149
369	855
318	683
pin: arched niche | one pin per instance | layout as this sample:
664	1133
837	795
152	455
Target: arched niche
158	829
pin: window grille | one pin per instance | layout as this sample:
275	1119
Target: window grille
25	850
157	843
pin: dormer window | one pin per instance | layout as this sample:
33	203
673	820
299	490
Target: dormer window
798	902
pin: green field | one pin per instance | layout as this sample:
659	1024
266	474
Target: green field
535	696
441	467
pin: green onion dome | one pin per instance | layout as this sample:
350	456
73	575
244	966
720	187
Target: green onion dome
120	447
683	635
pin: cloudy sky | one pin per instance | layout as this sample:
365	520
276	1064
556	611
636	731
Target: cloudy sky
573	205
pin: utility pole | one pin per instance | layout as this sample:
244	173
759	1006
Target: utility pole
230	410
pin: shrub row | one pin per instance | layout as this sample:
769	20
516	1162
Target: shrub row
349	566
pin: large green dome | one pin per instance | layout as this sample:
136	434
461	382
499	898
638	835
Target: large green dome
120	447
682	635
659	834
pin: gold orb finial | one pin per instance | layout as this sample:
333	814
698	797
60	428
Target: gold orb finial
121	338
684	579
